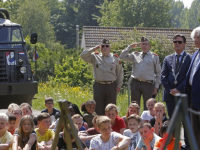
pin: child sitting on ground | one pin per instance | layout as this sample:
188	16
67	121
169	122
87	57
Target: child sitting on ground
108	140
5	136
160	117
78	120
93	131
150	113
171	144
133	121
117	122
45	135
133	108
26	109
89	112
18	114
11	122
25	136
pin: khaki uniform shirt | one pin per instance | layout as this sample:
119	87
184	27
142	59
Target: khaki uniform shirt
105	68
147	68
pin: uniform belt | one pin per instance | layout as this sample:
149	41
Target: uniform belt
148	81
105	82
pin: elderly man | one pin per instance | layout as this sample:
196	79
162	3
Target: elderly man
193	84
108	74
145	72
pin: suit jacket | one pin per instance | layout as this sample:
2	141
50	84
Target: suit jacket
194	90
168	79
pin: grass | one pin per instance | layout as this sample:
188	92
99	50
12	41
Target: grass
75	95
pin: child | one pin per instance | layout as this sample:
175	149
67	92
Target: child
150	113
133	108
26	109
78	120
18	114
171	144
160	117
44	134
117	122
11	106
50	109
133	121
11	122
93	131
25	136
5	136
148	137
88	108
108	140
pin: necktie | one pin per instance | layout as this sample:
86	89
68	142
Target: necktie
143	55
177	62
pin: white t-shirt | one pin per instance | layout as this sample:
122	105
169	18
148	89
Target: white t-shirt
97	143
146	115
134	138
142	146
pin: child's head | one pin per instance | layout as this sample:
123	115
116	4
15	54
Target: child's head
104	126
150	104
11	106
159	107
71	110
133	108
94	121
78	120
89	106
3	121
133	121
49	103
17	112
44	120
146	131
26	109
163	129
111	111
11	121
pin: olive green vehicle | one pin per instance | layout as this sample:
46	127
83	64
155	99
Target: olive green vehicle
17	83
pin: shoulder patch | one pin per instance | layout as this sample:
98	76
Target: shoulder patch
155	54
116	55
96	52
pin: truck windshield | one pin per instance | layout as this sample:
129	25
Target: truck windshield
10	37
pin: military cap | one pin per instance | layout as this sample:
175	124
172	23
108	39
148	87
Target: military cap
143	39
105	41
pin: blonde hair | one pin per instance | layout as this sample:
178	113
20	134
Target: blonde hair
134	116
25	105
160	104
76	116
102	119
4	116
110	107
133	104
151	100
11	107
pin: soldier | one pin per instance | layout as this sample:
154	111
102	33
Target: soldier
145	72
108	74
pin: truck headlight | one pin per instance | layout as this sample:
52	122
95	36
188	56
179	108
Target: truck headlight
23	69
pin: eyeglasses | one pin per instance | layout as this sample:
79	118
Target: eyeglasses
49	103
104	46
179	42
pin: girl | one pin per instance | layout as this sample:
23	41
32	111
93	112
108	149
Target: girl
159	118
150	113
133	108
89	112
25	136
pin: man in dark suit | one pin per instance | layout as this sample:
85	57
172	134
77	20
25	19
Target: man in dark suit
174	70
193	84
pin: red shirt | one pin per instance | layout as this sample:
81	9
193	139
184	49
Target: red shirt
92	131
119	124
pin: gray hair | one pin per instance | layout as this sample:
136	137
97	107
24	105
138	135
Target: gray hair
196	30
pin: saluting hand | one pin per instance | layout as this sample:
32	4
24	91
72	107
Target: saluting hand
97	47
135	44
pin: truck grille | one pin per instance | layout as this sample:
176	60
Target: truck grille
3	75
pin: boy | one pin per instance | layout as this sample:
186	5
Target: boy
133	121
44	134
93	131
26	109
18	114
148	137
11	122
108	140
117	122
5	136
50	109
78	120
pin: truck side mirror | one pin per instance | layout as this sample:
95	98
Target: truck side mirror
33	38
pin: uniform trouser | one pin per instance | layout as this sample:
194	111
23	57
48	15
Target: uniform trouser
139	88
103	95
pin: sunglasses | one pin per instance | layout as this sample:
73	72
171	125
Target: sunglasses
179	42
104	46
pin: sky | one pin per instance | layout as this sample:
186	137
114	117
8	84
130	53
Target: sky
187	3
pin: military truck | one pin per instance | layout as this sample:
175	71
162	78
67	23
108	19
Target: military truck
17	83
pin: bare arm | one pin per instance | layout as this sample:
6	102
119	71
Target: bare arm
30	143
122	130
124	142
4	146
15	142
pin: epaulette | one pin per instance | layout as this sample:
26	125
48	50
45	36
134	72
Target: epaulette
155	54
96	52
116	55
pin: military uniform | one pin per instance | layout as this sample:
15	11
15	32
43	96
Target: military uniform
108	75
146	73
